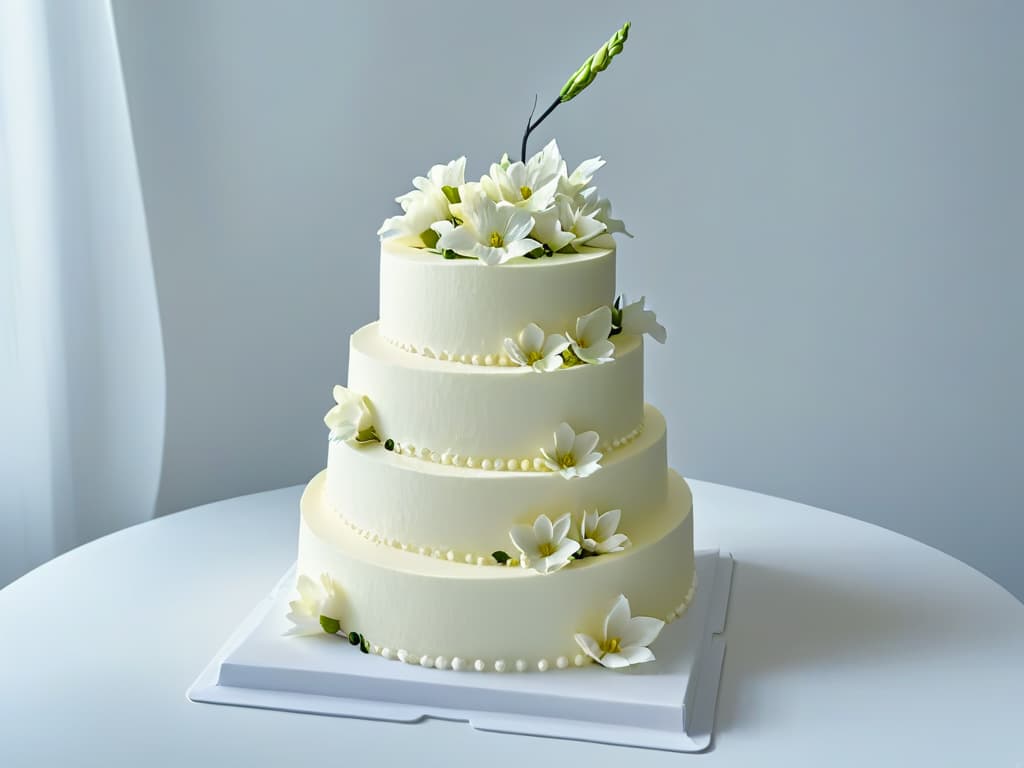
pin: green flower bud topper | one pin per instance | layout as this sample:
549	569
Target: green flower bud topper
598	61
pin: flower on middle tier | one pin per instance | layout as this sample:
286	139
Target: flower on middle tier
543	353
491	232
351	418
545	546
590	343
598	532
573	455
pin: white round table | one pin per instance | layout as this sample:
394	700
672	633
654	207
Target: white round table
846	645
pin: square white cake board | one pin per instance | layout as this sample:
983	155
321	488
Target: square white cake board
667	704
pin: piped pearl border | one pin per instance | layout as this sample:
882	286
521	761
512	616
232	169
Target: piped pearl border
460	664
500	359
471	558
499	464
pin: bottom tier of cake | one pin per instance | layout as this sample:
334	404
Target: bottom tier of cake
445	614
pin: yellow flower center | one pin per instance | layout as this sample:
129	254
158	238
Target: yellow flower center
566	460
497	240
525	192
570	358
546	549
533	357
612	645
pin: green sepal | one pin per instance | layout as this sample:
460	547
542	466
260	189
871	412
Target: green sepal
367	436
353	638
501	557
448	253
389	444
430	237
329	625
452	193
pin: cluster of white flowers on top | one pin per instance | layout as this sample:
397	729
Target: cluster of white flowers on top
518	209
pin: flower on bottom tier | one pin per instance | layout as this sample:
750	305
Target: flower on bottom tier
318	607
573	455
590	344
543	353
625	638
545	546
597	532
351	418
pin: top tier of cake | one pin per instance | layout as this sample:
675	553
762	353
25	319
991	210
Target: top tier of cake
462	310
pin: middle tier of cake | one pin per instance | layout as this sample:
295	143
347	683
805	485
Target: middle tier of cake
465	514
500	415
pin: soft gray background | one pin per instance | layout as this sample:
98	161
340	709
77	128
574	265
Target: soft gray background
828	202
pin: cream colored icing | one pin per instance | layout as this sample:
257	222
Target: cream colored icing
494	413
430	607
470	510
465	307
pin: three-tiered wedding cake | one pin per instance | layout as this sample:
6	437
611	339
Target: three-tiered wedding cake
496	494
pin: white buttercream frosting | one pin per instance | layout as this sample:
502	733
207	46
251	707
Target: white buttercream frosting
455	306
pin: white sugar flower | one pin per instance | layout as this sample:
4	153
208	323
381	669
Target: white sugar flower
625	638
545	546
591	344
351	418
581	226
579	179
597	532
318	607
414	227
543	353
530	185
573	455
589	204
452	175
490	232
638	320
427	204
549	229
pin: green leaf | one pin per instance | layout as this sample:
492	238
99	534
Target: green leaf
501	556
452	193
429	236
329	625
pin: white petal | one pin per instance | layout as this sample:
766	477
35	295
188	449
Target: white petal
597	353
594	326
614	543
515	353
637	654
524	540
565	437
560	529
585	443
587	467
614	661
492	257
616	622
548	363
519	248
589	646
554	344
532	338
518	226
308	591
551	462
641	630
442	227
608	523
459	239
542	529
588	523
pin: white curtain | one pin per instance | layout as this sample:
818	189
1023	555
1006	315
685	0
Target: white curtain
82	393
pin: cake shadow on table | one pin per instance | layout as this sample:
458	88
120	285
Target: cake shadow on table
782	621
